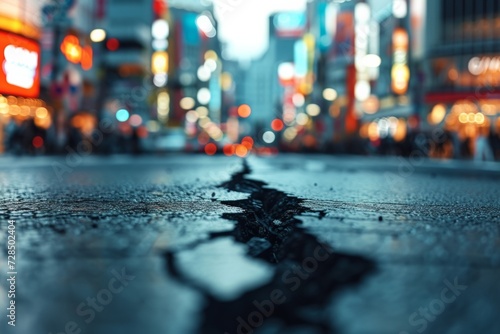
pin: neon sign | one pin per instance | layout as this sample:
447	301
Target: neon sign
400	72
19	65
478	66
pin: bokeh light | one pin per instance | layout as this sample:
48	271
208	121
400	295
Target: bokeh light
37	142
191	116
160	29
298	100
269	137
330	94
210	149
202	112
187	103
248	142
244	111
97	35
204	73
437	114
277	125
229	150
204	95
302	119
241	151
135	120
112	44
122	115
313	110
41	112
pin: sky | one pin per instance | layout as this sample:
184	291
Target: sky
243	24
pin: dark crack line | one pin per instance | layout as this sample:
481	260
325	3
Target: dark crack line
307	271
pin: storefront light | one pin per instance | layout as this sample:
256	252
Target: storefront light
479	119
437	114
471	117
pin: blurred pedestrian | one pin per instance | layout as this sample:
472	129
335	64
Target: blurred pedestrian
12	137
135	141
455	140
465	148
483	150
494	141
74	136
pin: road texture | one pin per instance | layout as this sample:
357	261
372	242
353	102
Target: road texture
286	244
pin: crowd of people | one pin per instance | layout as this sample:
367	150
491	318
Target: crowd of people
26	138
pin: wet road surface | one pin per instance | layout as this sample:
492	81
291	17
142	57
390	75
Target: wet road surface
287	244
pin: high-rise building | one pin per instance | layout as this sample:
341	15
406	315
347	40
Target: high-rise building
369	68
127	54
263	90
194	61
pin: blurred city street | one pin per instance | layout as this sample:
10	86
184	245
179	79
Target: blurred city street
287	244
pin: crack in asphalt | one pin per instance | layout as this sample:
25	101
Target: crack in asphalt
307	272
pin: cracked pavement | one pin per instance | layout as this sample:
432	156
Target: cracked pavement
288	244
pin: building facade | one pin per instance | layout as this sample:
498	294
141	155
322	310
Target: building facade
264	91
462	94
20	63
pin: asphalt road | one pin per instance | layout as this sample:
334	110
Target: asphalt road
286	244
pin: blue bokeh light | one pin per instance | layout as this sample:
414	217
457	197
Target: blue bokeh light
122	115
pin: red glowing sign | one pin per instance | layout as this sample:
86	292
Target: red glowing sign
344	37
19	65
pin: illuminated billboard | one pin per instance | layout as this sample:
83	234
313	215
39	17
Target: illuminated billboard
20	66
344	36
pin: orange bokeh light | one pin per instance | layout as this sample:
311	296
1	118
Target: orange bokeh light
75	53
210	149
248	139
87	58
277	125
241	151
71	48
244	111
247	142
